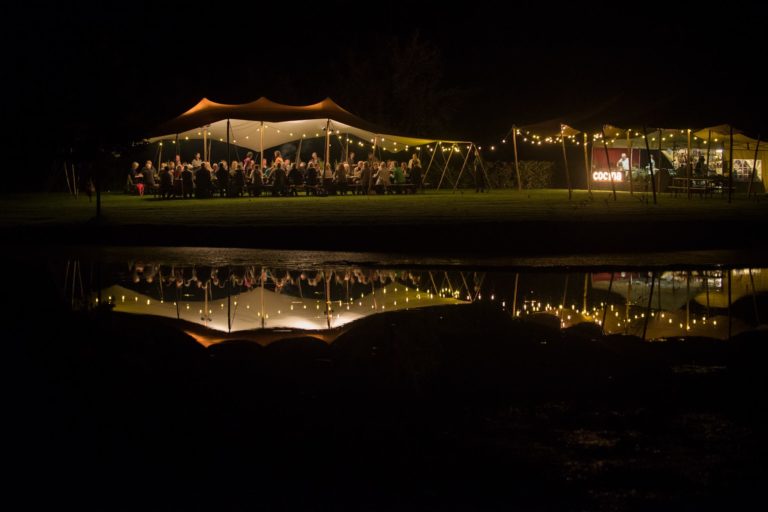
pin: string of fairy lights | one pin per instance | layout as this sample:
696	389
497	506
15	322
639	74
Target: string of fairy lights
375	143
569	135
612	318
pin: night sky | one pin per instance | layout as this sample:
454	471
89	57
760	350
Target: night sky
109	74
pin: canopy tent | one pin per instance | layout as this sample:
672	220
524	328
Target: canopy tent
263	124
716	145
552	131
260	308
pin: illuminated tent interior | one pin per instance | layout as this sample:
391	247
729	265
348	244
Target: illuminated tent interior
712	143
264	124
677	146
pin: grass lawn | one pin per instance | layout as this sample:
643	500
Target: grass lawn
505	206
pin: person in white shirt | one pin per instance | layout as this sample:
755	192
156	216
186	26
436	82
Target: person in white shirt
623	163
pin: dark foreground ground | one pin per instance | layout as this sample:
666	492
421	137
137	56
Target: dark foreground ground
458	409
499	223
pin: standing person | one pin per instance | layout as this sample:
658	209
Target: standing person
623	163
413	161
416	176
365	178
248	160
197	162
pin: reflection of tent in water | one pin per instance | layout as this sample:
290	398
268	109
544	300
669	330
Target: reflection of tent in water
668	302
744	282
671	290
259	308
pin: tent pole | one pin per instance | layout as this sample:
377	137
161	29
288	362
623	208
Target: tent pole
605	306
229	303
631	186
650	165
328	313
648	309
262	274
424	178
517	164
66	175
754	296
205	144
372	161
608	160
159	154
754	168
688	165
565	290
709	143
514	297
229	155
448	176
261	146
97	178
730	184
586	164
445	168
482	166
373	150
346	148
661	132
688	303
730	312
298	153
565	161
75	183
469	150
327	147
178	144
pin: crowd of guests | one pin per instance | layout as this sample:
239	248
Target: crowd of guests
282	177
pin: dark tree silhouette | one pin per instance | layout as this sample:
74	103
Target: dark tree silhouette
398	84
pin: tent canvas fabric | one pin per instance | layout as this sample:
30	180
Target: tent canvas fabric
280	310
281	124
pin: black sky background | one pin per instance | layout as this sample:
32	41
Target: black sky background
96	73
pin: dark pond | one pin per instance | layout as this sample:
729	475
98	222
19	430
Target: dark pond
226	379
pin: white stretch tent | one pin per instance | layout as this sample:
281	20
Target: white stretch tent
263	124
280	310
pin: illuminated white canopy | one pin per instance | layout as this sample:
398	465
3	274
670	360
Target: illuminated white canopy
277	309
281	124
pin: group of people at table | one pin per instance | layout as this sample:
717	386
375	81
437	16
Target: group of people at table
202	179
